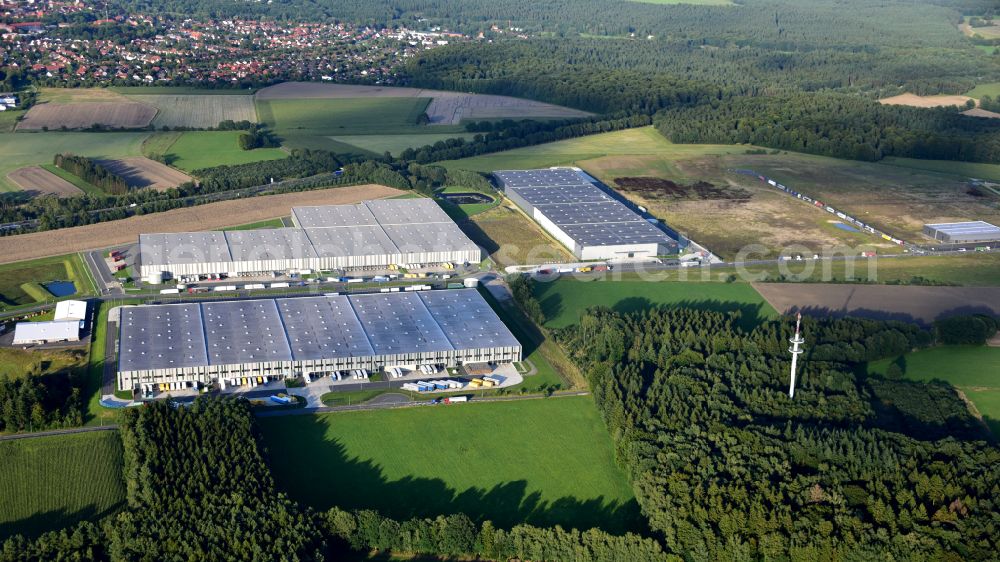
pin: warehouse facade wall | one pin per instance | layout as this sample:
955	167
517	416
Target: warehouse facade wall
290	369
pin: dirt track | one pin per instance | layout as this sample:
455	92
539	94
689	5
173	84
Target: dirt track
884	302
37	181
204	217
142	172
113	115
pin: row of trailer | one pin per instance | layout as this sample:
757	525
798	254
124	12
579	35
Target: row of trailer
355	374
432	386
251	382
839	214
149	388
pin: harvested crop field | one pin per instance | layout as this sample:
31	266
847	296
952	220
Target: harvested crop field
112	115
36	181
978	112
884	302
198	111
447	108
914	100
212	216
142	172
659	188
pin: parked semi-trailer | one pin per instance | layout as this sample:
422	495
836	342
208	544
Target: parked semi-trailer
456	399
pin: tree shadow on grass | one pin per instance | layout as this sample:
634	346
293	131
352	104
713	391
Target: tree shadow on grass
54	520
333	478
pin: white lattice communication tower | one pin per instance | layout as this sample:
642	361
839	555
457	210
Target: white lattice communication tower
795	350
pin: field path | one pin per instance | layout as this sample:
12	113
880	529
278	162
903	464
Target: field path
188	219
882	302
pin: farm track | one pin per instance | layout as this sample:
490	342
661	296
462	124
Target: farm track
69	431
188	219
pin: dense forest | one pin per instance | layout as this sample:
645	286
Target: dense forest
839	125
727	467
37	402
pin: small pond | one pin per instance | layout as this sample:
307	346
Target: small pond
846	227
470	198
60	288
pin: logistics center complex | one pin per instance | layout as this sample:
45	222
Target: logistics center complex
201	343
370	234
569	205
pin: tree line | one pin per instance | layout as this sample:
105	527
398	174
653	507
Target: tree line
838	125
727	467
38	402
92	172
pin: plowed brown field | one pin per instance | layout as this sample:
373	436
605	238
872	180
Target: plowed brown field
142	172
883	302
113	115
204	217
36	181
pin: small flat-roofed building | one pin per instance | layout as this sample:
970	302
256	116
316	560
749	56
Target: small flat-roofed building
36	333
970	232
592	224
315	335
71	310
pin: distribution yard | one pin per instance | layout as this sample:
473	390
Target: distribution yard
195	150
910	303
198	111
33	149
36	181
542	462
975	370
564	299
48	483
142	172
189	219
111	115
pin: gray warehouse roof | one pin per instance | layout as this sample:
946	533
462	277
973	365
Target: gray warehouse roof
968	230
540	178
161	337
320	327
380	227
172	336
580	208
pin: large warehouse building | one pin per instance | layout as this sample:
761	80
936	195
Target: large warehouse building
963	232
583	217
289	337
371	234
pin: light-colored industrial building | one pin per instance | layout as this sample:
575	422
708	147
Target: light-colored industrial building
56	331
371	234
568	204
316	335
970	232
71	310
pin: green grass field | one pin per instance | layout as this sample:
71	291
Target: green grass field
975	370
544	462
967	169
394	144
992	89
644	141
194	150
57	268
8	120
16	363
314	122
48	483
564	299
32	149
270	223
